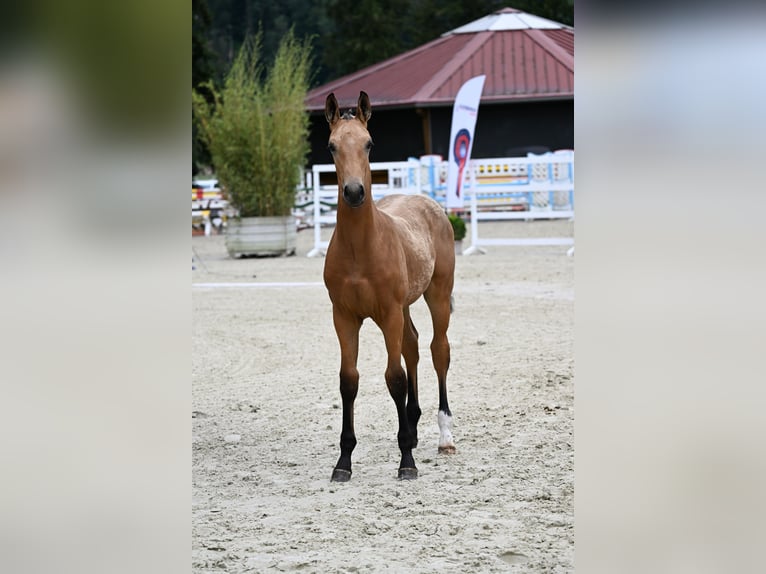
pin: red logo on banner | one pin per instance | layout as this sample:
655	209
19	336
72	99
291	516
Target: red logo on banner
461	147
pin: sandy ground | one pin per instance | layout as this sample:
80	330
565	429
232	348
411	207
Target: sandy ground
267	419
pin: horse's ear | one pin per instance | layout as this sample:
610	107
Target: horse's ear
363	107
331	110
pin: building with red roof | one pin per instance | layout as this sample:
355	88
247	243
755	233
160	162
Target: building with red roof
527	104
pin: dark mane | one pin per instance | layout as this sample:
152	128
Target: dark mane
348	115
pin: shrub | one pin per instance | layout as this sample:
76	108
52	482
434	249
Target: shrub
458	226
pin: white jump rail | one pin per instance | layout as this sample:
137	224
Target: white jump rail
533	187
543	186
402	177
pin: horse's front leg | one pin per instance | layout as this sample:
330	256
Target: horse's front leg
347	329
396	380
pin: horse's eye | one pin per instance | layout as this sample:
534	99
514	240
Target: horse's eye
368	145
331	147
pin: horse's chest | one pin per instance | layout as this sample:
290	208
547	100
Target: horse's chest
354	292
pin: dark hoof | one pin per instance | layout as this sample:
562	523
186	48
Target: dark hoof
340	475
408	473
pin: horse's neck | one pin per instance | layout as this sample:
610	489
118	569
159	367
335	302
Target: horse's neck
357	219
357	227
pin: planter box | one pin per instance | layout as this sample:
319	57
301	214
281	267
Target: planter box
261	236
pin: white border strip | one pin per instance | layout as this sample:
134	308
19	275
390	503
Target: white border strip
236	285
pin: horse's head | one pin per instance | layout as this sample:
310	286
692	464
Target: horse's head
350	145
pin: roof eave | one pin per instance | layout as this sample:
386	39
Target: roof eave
446	102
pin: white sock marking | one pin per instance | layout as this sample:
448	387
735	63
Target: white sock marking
445	430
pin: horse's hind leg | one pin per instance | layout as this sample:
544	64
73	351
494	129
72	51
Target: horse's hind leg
438	299
411	357
396	380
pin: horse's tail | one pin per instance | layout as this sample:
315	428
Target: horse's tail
451	304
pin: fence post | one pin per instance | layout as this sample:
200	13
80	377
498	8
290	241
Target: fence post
317	251
418	178
431	176
474	248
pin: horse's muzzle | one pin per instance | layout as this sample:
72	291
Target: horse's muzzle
353	194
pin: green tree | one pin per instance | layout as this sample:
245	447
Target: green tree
557	10
202	72
202	55
233	20
365	32
429	19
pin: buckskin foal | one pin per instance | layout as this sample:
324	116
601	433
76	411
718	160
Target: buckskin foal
382	257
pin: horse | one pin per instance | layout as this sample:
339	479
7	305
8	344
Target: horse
381	258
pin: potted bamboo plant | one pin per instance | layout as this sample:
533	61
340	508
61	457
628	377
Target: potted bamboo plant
256	127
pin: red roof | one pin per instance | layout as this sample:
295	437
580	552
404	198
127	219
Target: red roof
524	57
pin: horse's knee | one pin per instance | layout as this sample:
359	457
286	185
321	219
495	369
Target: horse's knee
349	383
396	380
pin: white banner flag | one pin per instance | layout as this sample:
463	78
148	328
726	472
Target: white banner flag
464	114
